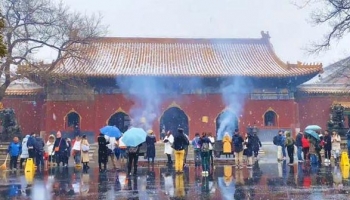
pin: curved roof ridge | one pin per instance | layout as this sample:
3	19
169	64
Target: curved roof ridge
175	40
210	57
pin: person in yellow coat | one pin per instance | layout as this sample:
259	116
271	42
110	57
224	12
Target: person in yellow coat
227	145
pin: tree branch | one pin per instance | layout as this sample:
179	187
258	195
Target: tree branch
35	25
334	13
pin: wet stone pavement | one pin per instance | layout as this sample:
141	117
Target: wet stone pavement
264	181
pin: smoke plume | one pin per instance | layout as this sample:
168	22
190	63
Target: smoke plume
233	93
148	93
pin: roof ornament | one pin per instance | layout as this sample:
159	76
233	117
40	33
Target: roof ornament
265	35
299	64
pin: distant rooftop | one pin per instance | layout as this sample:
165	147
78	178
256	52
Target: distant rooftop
334	79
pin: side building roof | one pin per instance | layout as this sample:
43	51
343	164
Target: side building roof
112	57
335	79
22	87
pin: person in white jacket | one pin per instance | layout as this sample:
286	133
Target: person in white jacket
49	151
168	150
25	153
336	140
211	148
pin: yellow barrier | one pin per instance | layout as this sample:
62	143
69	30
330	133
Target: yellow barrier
29	176
345	171
30	167
344	159
78	166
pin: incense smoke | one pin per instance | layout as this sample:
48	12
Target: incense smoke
149	93
233	93
146	93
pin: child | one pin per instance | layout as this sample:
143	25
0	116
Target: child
14	150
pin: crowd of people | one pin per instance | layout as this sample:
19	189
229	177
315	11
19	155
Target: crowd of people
245	148
57	150
309	147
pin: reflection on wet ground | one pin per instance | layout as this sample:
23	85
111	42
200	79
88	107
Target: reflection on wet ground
264	181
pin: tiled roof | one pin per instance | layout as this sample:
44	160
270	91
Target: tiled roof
334	80
345	104
23	87
111	57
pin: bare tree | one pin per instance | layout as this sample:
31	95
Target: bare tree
2	45
32	26
334	13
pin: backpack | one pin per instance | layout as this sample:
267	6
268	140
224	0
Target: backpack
132	149
197	146
276	140
39	145
205	147
236	141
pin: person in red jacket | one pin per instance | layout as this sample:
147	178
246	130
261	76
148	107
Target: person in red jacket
306	145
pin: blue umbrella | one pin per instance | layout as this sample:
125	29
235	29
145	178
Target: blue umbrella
313	127
313	134
111	131
134	137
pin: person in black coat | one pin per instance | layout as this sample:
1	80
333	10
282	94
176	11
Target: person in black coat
151	148
102	152
248	142
327	147
204	142
256	144
31	146
61	150
39	152
133	158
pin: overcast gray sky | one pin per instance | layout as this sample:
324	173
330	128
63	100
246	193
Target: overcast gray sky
289	28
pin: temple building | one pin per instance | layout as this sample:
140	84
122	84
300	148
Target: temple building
320	95
198	82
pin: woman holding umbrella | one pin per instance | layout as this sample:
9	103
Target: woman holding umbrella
133	139
111	134
314	148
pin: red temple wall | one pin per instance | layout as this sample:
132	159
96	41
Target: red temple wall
50	116
316	110
28	112
57	111
40	116
95	114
